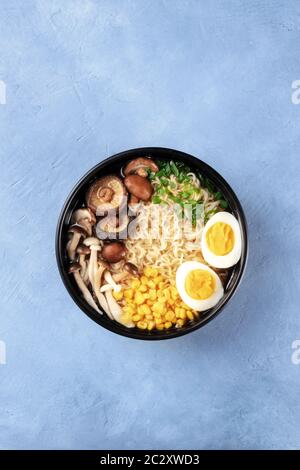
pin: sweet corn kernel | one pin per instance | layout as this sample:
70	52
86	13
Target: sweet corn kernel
128	294
142	288
129	309
149	317
180	322
118	295
185	306
190	315
151	325
170	316
139	298
142	325
144	280
145	309
136	317
158	307
152	294
151	284
168	324
150	272
167	294
159	326
135	284
125	317
139	310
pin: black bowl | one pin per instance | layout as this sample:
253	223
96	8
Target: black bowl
76	199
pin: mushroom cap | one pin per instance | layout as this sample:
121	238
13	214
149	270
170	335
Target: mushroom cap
77	229
95	247
139	186
83	213
91	241
74	267
114	252
83	250
131	268
97	201
141	162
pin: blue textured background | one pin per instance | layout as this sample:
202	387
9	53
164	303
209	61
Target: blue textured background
86	79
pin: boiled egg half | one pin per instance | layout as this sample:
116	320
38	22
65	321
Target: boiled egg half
221	242
199	286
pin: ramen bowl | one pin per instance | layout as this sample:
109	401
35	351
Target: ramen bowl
77	198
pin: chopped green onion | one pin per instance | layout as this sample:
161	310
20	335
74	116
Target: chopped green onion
156	200
174	168
175	199
218	195
160	190
181	177
223	204
160	173
206	183
209	185
164	181
185	194
167	169
151	175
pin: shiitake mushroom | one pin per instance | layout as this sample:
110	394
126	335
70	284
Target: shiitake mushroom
140	166
139	186
105	194
113	252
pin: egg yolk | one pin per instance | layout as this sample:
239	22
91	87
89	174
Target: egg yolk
220	238
199	284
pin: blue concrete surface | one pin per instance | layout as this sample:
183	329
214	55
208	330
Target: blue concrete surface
86	79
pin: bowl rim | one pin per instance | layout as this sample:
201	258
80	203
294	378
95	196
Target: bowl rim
112	325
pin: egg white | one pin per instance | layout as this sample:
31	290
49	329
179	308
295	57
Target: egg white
199	305
225	261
